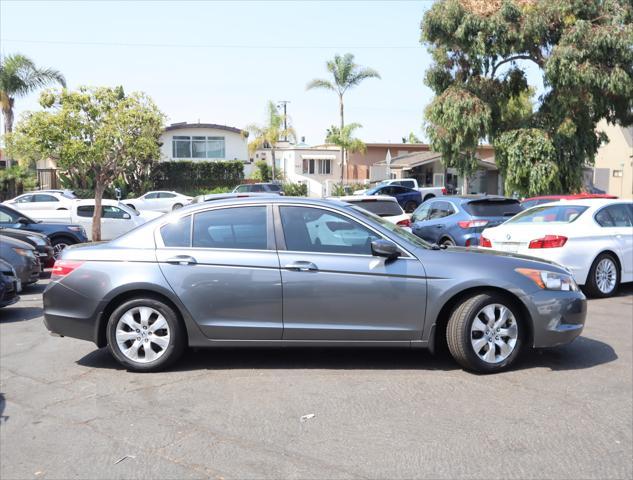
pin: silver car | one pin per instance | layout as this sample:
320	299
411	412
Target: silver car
282	271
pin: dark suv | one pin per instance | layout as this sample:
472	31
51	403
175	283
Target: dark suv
274	188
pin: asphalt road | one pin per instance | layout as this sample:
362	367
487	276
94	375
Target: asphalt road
68	411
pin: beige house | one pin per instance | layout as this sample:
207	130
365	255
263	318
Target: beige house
613	167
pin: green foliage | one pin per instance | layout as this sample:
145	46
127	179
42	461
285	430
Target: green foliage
480	50
96	135
15	180
295	189
191	178
411	138
341	189
344	138
345	75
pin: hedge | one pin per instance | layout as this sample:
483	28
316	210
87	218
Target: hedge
190	177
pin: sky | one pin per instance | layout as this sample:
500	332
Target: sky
220	62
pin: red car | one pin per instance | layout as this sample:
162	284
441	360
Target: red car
531	202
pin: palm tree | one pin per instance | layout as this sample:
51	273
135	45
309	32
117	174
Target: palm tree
346	74
266	136
19	76
344	138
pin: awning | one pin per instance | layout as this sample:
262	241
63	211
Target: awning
308	156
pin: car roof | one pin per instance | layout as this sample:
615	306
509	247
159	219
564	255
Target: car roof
471	198
574	196
104	201
263	200
364	198
592	202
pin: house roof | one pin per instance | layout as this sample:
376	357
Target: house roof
183	125
417	159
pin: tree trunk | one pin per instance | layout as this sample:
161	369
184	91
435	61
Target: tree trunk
343	159
96	217
7	113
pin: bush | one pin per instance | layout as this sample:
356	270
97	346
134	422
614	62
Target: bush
295	189
190	177
15	180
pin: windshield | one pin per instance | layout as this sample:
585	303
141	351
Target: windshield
382	208
13	215
393	228
372	191
549	214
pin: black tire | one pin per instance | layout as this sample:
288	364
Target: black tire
448	242
59	243
176	206
410	206
591	286
458	332
174	349
428	197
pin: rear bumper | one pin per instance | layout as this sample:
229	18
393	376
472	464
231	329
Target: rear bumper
557	317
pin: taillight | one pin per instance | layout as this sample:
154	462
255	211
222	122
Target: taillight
404	223
61	268
444	191
472	223
548	241
484	242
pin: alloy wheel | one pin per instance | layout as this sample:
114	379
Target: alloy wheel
142	334
606	275
494	333
58	248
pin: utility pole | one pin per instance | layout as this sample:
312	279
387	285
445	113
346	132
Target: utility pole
283	104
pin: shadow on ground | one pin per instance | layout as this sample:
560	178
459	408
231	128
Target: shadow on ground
582	353
19	314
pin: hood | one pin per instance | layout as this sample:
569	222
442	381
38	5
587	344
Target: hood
14	242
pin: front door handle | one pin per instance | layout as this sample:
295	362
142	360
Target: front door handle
302	266
439	226
182	260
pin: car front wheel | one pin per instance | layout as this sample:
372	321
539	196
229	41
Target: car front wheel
145	335
485	333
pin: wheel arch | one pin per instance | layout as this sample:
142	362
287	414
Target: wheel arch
62	236
428	196
438	337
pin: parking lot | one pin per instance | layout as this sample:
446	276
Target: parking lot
67	410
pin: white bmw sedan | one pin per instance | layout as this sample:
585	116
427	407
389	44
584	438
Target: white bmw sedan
592	238
159	201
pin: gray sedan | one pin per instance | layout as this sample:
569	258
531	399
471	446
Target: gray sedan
22	257
281	271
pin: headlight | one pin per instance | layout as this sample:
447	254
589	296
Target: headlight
23	252
37	240
550	280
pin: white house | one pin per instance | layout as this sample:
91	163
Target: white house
203	142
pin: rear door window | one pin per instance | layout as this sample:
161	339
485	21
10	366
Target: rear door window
237	227
178	233
493	208
614	216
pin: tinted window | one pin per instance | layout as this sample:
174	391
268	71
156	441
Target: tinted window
166	195
382	208
549	214
256	188
407	183
107	211
315	230
614	216
274	188
239	227
24	199
242	188
151	196
85	210
421	213
178	233
44	198
493	208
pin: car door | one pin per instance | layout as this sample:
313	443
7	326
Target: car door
335	290
437	223
418	219
223	266
149	201
621	227
429	227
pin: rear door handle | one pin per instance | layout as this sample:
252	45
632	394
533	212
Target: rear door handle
302	266
182	260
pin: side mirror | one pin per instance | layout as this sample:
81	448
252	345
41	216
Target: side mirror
126	216
23	221
385	248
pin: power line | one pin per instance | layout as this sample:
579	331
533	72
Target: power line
192	45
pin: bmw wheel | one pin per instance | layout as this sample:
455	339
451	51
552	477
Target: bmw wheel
145	335
604	277
485	333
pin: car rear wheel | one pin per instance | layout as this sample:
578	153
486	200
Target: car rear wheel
485	333
145	335
604	277
447	242
177	206
59	244
410	206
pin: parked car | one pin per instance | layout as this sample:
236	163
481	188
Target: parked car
426	192
22	258
534	201
592	238
42	201
160	201
382	205
39	241
66	192
61	235
214	197
274	188
408	198
8	285
116	218
303	272
460	220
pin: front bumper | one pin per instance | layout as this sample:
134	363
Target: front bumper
557	317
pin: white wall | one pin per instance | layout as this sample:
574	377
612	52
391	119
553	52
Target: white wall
235	145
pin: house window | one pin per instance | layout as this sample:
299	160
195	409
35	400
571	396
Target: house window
308	165
313	166
197	147
325	167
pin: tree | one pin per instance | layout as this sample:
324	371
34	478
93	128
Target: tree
480	52
411	138
266	136
344	138
98	133
345	75
19	76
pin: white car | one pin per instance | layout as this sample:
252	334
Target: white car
592	238
44	200
116	218
382	205
159	201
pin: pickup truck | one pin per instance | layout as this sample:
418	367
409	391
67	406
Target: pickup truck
426	192
60	234
116	218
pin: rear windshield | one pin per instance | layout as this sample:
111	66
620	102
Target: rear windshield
274	188
493	208
549	214
382	208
